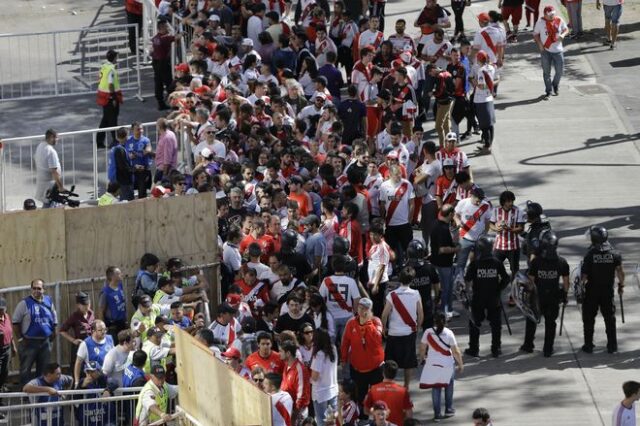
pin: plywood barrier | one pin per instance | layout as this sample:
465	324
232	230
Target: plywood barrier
66	244
213	393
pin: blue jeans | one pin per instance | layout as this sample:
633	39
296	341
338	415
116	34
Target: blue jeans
446	282
320	408
33	351
557	61
340	324
575	16
436	396
466	247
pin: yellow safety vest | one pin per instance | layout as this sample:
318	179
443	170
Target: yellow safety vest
161	398
103	85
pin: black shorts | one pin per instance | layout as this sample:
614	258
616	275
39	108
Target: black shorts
402	349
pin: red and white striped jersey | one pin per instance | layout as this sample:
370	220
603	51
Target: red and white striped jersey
460	159
505	239
400	42
350	413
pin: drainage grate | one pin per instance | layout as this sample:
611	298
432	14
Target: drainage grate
591	89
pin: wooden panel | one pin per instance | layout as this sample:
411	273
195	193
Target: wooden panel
102	236
32	245
182	226
219	397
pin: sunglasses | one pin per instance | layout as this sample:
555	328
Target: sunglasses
181	183
258	380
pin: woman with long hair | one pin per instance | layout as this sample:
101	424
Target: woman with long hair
324	375
321	316
442	353
308	73
305	337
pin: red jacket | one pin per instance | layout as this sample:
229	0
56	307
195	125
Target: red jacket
296	381
362	344
271	364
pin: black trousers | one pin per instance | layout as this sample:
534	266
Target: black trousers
143	182
398	237
428	220
363	381
5	363
480	311
134	19
109	119
161	76
458	10
549	309
377	9
513	256
604	302
345	58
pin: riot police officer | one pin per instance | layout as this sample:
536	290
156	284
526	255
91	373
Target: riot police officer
536	226
341	247
545	272
425	280
599	267
488	278
289	256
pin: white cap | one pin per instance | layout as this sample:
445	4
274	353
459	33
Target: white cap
247	42
214	18
205	153
320	95
451	136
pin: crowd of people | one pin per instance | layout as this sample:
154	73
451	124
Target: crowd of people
310	131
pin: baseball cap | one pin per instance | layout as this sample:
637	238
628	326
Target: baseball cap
202	90
82	298
247	42
235	61
312	218
158	370
320	95
205	153
365	302
233	300
29	204
182	67
451	136
482	56
91	366
396	128
214	18
484	17
232	353
550	9
448	162
155	331
380	405
159	191
145	301
478	192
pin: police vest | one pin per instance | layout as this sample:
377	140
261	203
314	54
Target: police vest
116	303
112	173
147	347
158	296
97	351
161	396
131	375
43	414
42	320
104	94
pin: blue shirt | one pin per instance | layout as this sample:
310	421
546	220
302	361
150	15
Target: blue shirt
316	245
334	79
467	67
137	147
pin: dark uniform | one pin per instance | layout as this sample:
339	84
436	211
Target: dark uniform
545	272
536	227
426	277
599	265
489	278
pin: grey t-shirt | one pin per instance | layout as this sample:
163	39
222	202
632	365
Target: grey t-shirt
22	316
45	159
114	364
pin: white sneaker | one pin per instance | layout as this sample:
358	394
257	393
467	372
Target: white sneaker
448	315
454	314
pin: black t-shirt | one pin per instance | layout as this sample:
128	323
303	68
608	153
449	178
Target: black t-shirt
512	3
352	111
426	277
546	274
441	237
600	267
223	228
285	322
236	216
297	264
489	277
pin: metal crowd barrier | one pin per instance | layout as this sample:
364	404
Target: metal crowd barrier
67	62
83	165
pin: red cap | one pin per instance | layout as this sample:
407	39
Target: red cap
482	56
484	17
202	90
549	9
232	353
159	191
234	299
380	405
182	67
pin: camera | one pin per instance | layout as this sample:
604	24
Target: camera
63	197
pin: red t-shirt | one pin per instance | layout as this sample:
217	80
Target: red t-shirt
270	364
352	231
266	244
396	396
305	205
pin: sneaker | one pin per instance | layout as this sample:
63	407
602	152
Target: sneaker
606	42
448	315
454	314
546	95
587	349
527	349
612	349
437	419
612	46
555	91
476	130
469	352
449	413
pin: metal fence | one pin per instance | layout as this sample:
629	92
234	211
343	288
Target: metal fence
63	296
83	165
59	63
150	15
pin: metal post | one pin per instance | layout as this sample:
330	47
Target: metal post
174	45
55	64
94	152
2	187
56	295
139	96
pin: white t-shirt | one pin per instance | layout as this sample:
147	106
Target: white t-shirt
372	183
347	288
482	74
466	209
446	337
280	398
231	257
46	158
428	187
431	48
380	254
623	416
221	332
261	269
115	362
410	299
541	30
388	193
326	387
497	38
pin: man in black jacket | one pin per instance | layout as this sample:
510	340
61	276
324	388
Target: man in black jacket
122	165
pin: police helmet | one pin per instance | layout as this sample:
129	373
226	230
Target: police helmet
416	250
533	211
484	247
340	245
599	235
289	240
548	244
